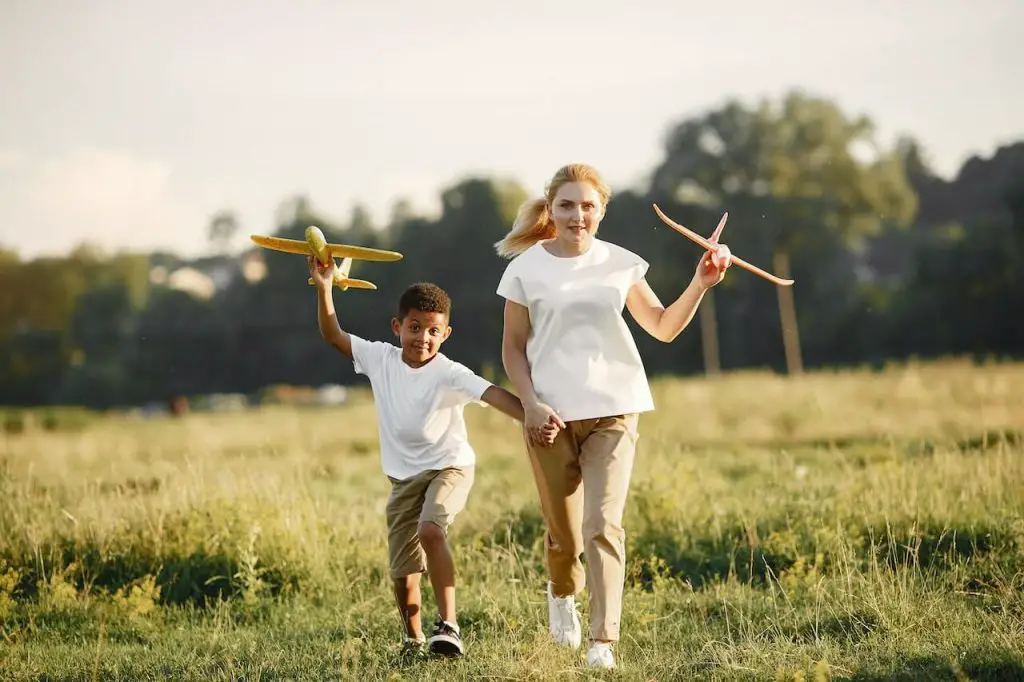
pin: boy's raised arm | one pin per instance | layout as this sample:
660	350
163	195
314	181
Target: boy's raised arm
326	315
327	319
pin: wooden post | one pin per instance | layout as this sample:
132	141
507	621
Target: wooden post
787	316
709	335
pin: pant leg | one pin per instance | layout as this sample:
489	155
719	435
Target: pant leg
404	506
447	495
606	461
556	471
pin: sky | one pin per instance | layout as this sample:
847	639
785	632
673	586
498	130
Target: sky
129	124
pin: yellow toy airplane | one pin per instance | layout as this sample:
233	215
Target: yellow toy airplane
316	245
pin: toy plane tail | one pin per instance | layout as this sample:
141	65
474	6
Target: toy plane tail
345	268
348	283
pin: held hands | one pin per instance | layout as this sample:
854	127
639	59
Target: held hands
323	275
542	423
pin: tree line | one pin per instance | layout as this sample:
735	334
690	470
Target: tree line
890	261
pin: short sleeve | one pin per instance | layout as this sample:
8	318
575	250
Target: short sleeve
511	286
640	267
466	383
367	356
635	265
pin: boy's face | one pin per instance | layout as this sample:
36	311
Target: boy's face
421	335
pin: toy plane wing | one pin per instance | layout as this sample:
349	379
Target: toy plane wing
302	247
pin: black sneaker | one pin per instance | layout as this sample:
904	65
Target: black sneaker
413	649
445	639
412	645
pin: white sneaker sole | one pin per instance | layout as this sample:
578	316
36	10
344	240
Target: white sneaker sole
445	645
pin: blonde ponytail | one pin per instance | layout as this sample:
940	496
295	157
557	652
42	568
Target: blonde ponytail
533	221
533	224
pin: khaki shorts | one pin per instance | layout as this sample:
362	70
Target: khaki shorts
435	496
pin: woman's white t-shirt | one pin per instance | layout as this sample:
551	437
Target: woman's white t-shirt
583	360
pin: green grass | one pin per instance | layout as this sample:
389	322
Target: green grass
849	525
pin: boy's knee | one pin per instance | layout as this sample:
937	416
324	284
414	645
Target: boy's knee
407	580
431	534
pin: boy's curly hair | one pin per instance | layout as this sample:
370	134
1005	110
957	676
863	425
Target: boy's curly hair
425	297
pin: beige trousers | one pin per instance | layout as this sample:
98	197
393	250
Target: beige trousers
583	479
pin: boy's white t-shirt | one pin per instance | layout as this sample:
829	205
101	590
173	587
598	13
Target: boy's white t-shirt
419	410
584	362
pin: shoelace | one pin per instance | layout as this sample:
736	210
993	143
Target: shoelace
445	627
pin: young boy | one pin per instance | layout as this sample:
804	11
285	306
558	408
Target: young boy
419	394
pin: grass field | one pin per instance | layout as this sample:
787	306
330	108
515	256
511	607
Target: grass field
853	525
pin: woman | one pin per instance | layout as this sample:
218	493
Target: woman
574	364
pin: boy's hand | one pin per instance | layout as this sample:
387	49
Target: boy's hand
323	275
548	433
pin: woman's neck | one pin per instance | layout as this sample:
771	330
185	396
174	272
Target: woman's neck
562	249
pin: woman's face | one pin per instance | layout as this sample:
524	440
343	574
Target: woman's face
576	211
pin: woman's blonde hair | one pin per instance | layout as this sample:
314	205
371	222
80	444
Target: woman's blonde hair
533	221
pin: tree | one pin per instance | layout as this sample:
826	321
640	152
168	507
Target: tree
360	229
401	212
811	173
1013	197
915	159
295	209
223	227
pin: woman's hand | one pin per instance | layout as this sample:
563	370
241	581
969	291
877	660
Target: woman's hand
542	423
712	266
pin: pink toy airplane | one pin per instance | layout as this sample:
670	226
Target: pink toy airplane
719	251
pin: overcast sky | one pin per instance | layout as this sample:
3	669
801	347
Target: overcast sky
129	123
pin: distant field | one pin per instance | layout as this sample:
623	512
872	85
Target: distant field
850	525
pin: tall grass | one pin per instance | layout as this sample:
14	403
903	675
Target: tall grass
847	525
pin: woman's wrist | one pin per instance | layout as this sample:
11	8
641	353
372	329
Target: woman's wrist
698	284
531	402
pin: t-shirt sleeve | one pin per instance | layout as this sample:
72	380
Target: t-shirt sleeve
466	384
638	268
511	285
367	356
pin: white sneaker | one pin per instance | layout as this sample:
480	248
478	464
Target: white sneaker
563	620
600	655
